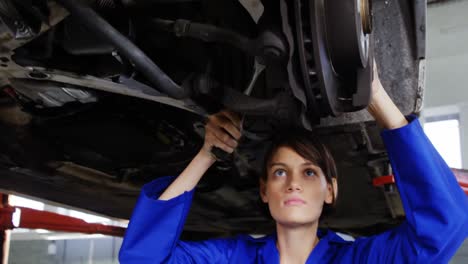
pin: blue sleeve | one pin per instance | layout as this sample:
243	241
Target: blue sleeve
154	229
436	208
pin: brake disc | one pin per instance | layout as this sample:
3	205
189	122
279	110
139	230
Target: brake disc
333	41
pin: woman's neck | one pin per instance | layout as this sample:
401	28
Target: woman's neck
296	243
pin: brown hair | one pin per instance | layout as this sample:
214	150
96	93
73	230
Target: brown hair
307	145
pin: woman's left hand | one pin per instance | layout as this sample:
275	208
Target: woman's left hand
381	106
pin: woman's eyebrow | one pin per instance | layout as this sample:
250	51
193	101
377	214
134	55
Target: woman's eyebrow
277	164
307	163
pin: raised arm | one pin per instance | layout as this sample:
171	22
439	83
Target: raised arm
159	216
435	206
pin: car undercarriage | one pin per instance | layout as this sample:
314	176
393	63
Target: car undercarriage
99	97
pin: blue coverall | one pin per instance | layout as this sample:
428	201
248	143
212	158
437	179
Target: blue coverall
436	219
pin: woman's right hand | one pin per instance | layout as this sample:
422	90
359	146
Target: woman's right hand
223	130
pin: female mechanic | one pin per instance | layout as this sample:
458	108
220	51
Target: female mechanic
299	182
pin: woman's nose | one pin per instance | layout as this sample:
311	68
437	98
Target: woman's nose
294	185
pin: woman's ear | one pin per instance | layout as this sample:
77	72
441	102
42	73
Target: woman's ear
263	193
332	191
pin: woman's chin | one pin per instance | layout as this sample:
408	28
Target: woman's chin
296	221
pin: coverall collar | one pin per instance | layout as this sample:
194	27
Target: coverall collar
270	253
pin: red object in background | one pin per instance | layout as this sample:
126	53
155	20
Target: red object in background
461	175
383	180
35	219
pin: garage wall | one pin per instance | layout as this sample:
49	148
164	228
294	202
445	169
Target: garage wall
447	53
447	65
73	251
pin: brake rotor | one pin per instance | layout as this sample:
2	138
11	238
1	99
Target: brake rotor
334	45
347	41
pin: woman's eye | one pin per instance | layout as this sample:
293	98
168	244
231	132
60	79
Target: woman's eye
280	173
310	173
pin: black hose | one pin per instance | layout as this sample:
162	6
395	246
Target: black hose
207	33
145	65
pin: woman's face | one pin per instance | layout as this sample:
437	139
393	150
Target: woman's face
296	188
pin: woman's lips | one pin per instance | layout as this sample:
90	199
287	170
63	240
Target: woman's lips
294	201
